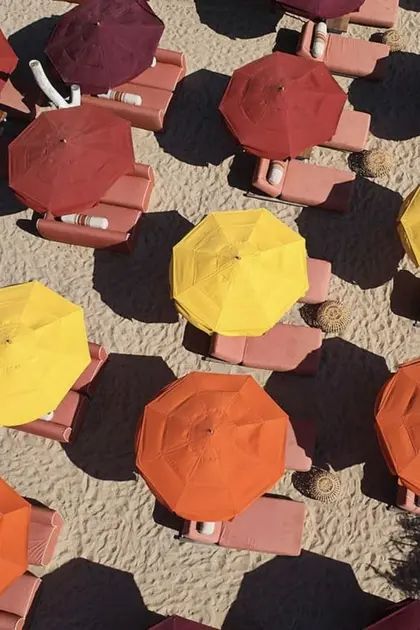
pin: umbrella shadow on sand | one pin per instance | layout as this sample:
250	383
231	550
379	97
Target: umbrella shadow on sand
340	399
253	18
310	591
392	102
84	594
104	447
9	203
405	295
368	228
194	129
137	286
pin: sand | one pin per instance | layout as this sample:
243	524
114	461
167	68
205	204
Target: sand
115	566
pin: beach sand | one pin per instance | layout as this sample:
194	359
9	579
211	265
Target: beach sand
115	566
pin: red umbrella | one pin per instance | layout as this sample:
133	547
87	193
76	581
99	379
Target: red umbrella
8	59
103	43
281	104
322	9
66	159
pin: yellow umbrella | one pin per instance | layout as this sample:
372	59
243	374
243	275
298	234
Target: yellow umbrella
238	272
408	225
43	350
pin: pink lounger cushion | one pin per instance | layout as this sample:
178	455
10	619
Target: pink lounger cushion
380	13
44	529
300	444
123	205
155	86
16	601
346	55
352	132
308	185
284	348
319	278
69	415
270	525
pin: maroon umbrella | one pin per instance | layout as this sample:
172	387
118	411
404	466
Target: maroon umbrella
280	105
103	43
179	623
322	9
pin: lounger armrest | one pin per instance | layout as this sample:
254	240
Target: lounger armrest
9	621
97	352
170	56
229	349
50	430
80	234
18	597
145	171
86	382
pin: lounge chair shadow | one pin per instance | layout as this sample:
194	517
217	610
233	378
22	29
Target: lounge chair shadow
84	594
194	129
405	295
137	286
310	591
196	340
9	203
254	18
286	41
369	227
241	170
340	399
166	518
392	102
104	448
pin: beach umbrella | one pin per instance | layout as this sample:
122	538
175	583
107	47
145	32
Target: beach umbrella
14	523
210	444
408	225
180	623
43	351
322	9
280	105
398	424
103	43
238	272
8	59
66	159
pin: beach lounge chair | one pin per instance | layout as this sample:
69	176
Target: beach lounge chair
347	56
307	184
123	205
270	525
403	615
352	132
156	87
407	500
380	13
44	529
70	413
16	601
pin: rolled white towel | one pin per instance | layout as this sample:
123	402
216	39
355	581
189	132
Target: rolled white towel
48	416
84	219
122	97
319	40
154	62
275	173
206	528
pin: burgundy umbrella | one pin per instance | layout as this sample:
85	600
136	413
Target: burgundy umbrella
103	43
322	9
179	623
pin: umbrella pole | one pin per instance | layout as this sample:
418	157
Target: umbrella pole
46	86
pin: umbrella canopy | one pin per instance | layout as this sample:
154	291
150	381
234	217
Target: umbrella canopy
210	444
179	623
408	225
43	351
8	59
15	514
398	424
238	272
103	43
66	159
280	105
322	9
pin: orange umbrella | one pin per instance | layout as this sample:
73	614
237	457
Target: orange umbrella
14	523
210	444
398	424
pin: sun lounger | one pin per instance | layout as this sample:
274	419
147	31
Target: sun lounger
406	500
16	601
347	56
44	529
155	86
380	13
403	615
123	205
70	413
300	444
307	184
352	132
319	278
269	525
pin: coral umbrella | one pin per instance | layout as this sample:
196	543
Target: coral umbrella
66	159
103	43
408	225
180	623
398	424
14	523
280	105
238	272
8	59
210	444
43	351
322	9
